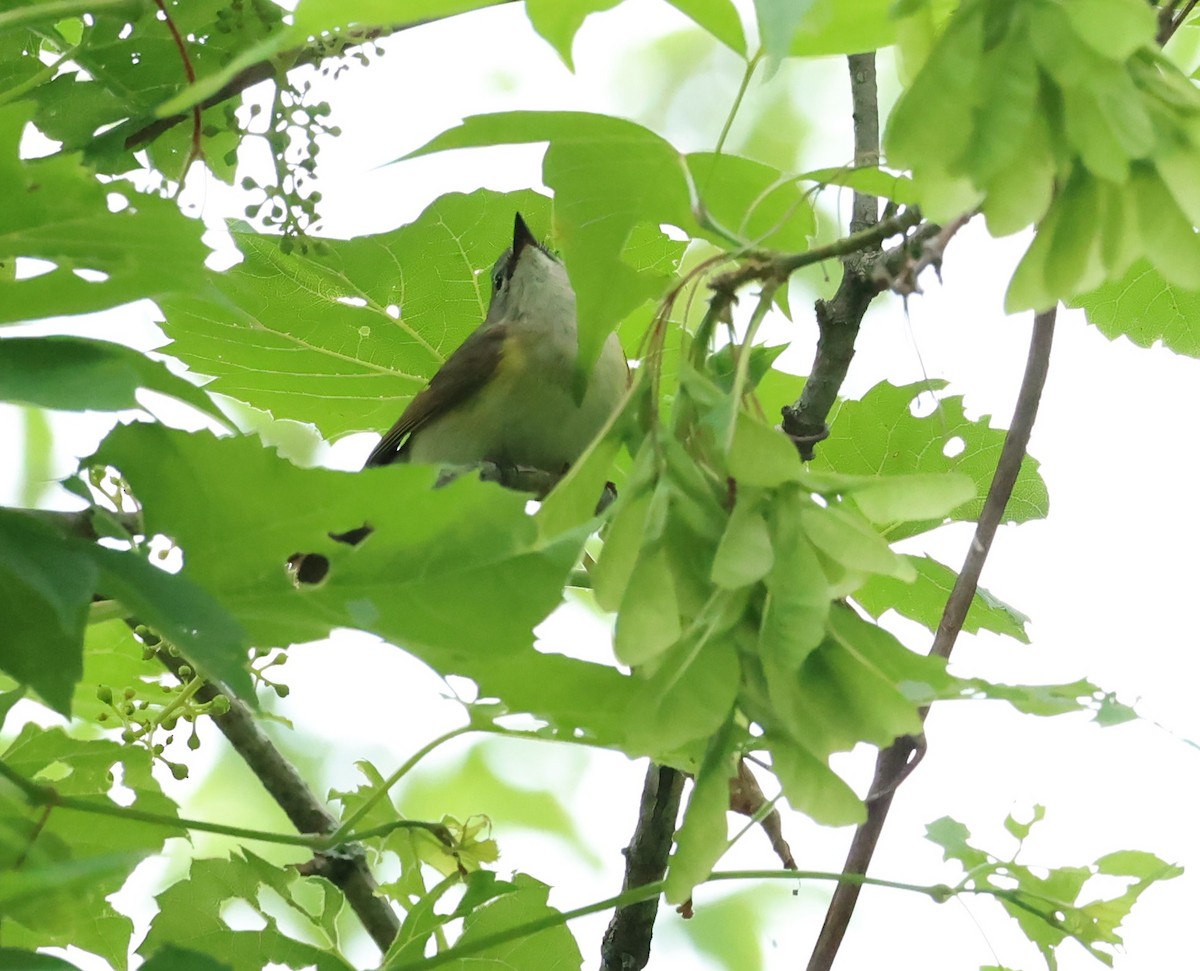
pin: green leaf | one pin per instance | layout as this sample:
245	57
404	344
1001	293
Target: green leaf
794	614
439	566
744	555
1115	28
719	17
343	335
56	211
778	21
835	27
608	175
847	539
12	959
879	435
183	613
28	886
811	787
46	584
762	456
190	916
672	713
753	201
622	543
924	599
315	16
74	374
172	958
704	836
1022	830
648	622
79	913
952	836
1170	241
867	178
552	949
558	23
913	497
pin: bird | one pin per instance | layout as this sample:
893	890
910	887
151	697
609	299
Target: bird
507	394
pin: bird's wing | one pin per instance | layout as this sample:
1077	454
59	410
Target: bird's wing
467	370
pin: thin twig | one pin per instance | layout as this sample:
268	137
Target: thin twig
140	131
195	148
894	763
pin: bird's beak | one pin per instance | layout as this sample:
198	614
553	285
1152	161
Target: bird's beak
522	237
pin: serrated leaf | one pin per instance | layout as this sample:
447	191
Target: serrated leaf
343	335
190	916
56	211
952	836
924	599
879	435
1144	307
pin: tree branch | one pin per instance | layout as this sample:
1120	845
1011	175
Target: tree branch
346	866
896	762
626	945
839	319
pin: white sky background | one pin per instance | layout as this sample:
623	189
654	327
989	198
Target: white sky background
1109	580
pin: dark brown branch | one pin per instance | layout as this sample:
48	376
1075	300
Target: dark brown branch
895	763
346	866
626	945
1169	21
839	319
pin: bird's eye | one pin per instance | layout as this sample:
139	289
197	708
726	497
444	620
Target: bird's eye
497	282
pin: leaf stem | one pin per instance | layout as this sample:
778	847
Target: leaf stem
341	834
